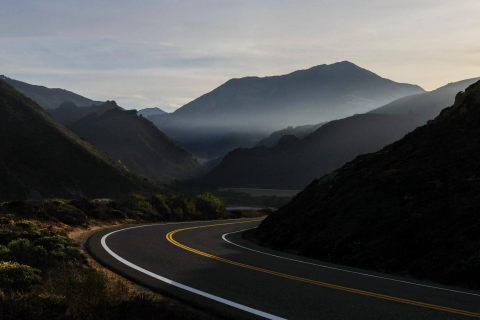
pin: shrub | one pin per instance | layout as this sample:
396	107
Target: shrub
26	225
6	221
184	203
209	206
160	203
118	214
69	214
21	250
18	277
137	202
177	214
51	243
75	254
4	252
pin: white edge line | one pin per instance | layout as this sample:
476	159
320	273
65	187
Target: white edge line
344	270
179	285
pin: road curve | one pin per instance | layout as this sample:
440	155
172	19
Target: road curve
209	264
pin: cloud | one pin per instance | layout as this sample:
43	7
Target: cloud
166	53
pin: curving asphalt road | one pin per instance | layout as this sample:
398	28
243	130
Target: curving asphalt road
210	265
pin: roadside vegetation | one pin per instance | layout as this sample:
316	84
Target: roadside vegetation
45	275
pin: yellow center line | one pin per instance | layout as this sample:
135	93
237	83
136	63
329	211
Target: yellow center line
314	282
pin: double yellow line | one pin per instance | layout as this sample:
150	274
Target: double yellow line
318	283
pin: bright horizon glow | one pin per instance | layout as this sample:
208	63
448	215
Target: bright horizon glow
166	53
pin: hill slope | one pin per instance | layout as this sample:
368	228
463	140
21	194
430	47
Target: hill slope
426	106
411	208
48	98
137	143
263	105
68	112
39	154
294	163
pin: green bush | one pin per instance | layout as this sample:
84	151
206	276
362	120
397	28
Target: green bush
160	203
18	277
4	252
6	221
22	250
137	202
26	225
209	206
184	203
51	243
75	254
177	214
67	213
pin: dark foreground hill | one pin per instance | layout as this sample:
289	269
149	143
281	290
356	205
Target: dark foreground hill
48	98
137	143
39	155
412	208
426	106
263	105
294	163
68	112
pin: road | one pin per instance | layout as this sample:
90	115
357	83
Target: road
211	266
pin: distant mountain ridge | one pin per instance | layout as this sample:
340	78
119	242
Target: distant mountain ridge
294	163
263	105
39	156
147	112
48	98
137	143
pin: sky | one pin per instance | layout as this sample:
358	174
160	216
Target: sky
154	53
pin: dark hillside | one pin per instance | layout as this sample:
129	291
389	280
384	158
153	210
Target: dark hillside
294	163
69	112
39	155
138	144
48	98
412	208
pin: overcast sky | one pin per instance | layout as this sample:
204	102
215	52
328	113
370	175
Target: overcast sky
153	53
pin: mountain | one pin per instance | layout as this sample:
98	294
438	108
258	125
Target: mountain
138	143
299	132
411	208
48	98
294	163
147	112
262	105
68	112
426	106
39	155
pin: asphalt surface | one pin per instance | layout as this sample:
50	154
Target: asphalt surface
231	279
